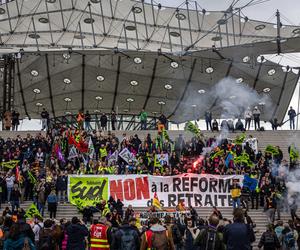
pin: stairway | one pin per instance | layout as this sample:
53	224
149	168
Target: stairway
68	211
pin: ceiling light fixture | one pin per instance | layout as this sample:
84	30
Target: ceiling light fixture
130	27
239	80
260	27
137	60
180	16
209	70
168	86
136	10
89	20
174	64
67	99
36	91
34	36
129	99
161	103
67	81
98	98
201	91
266	90
43	20
34	72
100	78
133	83
271	72
174	34
246	59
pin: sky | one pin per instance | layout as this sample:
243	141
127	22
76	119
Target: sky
263	10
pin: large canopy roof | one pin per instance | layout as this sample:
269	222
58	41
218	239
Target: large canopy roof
180	86
129	55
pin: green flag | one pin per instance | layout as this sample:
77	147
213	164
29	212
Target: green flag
32	211
10	164
31	178
294	153
239	139
272	150
191	127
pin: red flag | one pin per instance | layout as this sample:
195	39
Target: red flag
17	174
81	145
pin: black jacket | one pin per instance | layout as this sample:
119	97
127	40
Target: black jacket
61	183
127	229
240	231
76	234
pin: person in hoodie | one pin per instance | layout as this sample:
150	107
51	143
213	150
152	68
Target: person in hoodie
77	232
126	237
156	231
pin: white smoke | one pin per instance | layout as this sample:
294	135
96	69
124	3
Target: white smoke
234	98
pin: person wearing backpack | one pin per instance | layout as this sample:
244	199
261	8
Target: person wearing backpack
289	237
157	237
36	228
209	238
126	238
269	240
100	235
174	230
46	239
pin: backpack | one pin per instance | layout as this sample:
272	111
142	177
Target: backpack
210	239
26	245
177	237
269	239
211	236
128	240
289	239
46	241
160	240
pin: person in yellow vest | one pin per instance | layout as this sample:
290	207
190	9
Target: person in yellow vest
235	190
103	152
80	119
100	235
82	169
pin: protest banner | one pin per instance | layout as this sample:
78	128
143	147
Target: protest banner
87	190
194	190
32	211
138	190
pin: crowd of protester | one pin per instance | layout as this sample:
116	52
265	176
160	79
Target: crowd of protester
44	163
